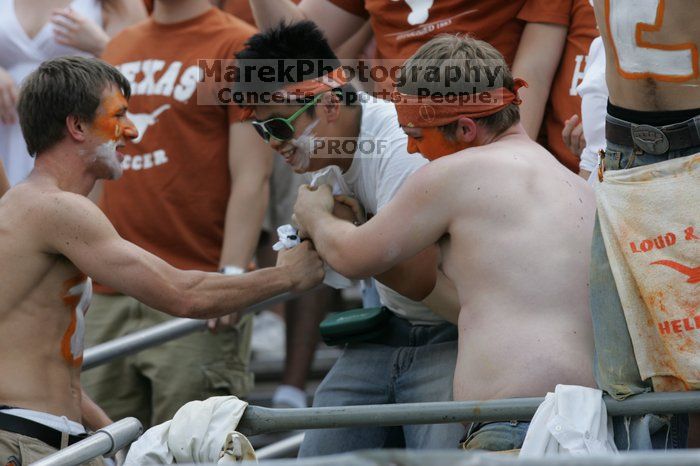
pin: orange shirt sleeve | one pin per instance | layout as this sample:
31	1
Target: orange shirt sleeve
356	7
546	11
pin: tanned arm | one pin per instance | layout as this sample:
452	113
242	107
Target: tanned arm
250	166
337	24
94	417
4	183
536	61
414	219
75	228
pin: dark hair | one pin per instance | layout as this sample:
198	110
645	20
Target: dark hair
293	53
59	88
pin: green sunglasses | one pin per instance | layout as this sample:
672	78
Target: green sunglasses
281	129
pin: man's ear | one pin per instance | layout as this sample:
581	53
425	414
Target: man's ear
466	130
330	106
76	128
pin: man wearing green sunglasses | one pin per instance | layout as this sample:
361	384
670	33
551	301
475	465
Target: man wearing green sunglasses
315	121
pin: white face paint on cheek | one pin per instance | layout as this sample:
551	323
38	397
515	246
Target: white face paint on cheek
106	154
304	146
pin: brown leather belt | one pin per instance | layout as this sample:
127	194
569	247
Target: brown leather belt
655	140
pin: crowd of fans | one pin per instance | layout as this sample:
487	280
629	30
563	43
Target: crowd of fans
473	224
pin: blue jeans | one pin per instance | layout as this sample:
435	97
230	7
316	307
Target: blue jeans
615	366
421	370
495	436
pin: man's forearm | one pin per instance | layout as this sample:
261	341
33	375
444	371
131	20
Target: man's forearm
330	236
93	417
244	216
212	295
269	13
4	183
536	61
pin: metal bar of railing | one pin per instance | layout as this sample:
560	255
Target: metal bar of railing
461	458
104	442
159	334
258	420
283	448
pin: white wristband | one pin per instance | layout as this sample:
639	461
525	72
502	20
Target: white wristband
231	270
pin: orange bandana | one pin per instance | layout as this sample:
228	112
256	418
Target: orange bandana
313	87
306	89
430	111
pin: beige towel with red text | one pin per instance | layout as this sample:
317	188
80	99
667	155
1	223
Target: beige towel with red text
650	220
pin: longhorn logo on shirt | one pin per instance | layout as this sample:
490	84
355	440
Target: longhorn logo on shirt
143	121
693	273
419	10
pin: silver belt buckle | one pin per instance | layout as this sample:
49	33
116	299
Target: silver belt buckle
650	139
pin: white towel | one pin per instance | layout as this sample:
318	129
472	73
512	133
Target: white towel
650	221
200	432
571	420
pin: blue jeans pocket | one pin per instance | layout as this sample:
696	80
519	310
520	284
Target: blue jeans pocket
496	436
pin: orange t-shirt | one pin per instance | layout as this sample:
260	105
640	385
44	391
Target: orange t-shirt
172	198
402	26
241	9
564	101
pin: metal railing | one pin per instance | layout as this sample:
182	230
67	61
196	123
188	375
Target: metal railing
159	334
258	420
283	448
456	457
104	442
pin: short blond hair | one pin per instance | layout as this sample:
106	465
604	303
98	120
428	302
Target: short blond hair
459	64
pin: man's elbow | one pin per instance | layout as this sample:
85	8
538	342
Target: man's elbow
348	265
185	301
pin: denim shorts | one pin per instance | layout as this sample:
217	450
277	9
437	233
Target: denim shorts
495	436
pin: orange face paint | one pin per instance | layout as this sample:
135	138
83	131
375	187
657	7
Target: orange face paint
432	144
111	122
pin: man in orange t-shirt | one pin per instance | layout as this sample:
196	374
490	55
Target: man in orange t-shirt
564	101
194	192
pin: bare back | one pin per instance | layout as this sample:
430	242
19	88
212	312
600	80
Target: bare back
651	53
518	251
40	311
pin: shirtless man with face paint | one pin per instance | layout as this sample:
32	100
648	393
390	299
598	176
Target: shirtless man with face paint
52	238
513	225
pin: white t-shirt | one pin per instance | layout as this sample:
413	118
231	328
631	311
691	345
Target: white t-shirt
594	99
379	167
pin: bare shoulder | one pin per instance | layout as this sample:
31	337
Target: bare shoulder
50	213
436	176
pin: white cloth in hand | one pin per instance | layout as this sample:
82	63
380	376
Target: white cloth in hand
288	238
200	432
571	420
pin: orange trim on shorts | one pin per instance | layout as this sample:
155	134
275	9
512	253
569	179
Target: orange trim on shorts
645	27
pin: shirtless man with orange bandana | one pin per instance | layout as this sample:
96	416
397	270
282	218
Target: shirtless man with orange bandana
513	226
52	238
